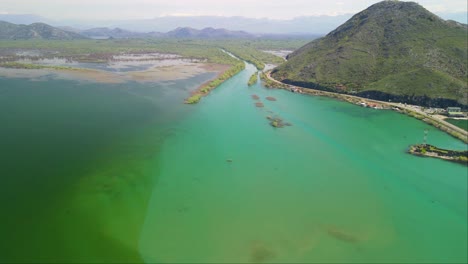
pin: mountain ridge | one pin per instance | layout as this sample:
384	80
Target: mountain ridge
392	50
38	30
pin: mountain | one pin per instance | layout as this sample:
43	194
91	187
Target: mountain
35	31
299	25
117	33
393	50
25	19
187	32
181	32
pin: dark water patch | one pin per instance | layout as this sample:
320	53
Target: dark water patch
341	235
260	253
78	163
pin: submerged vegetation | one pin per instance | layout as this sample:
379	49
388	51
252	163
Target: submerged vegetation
277	122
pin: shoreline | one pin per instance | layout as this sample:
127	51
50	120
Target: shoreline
210	68
408	110
154	73
204	89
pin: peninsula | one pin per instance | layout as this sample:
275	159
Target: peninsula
427	150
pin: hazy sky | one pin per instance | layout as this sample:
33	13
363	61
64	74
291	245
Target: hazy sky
131	9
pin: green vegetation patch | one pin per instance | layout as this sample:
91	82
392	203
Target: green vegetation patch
394	47
29	66
461	123
204	90
253	79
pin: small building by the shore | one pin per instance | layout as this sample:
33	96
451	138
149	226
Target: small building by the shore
454	112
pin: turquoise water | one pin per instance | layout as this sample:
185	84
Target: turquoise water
125	173
337	186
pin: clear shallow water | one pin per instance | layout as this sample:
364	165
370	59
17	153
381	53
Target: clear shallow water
106	173
337	186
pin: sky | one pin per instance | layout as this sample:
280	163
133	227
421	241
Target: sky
144	9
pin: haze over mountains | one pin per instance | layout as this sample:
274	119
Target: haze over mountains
390	51
9	31
300	25
35	31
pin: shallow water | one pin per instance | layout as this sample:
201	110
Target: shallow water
107	173
336	186
77	163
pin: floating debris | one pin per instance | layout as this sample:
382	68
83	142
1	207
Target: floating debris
229	160
255	97
269	98
258	104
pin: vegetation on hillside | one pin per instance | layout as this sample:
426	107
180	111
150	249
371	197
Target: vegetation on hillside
9	31
267	82
391	48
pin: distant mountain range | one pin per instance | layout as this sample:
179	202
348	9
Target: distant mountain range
116	33
300	25
9	31
181	32
317	25
44	31
393	50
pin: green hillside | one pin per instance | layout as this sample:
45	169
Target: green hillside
9	31
391	51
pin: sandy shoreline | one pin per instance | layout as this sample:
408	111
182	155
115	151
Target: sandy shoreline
153	74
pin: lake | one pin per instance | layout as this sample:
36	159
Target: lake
126	172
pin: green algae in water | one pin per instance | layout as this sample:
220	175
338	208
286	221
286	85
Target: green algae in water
335	187
78	163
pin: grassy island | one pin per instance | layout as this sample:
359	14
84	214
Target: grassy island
435	152
253	79
205	89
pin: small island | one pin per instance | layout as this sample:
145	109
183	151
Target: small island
253	79
427	150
